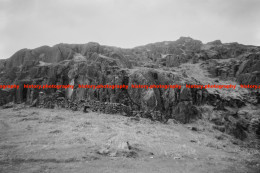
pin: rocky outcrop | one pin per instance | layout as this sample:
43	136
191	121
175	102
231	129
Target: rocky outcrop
169	53
241	63
152	64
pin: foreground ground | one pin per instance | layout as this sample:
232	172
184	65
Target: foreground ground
45	140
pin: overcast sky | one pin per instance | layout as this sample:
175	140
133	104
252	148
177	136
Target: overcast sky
125	23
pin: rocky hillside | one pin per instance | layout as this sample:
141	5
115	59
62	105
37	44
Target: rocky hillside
184	61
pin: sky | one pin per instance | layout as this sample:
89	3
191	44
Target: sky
125	23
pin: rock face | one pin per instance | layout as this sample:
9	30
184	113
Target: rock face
233	62
6	96
152	64
169	53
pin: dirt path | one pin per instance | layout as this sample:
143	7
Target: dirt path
44	140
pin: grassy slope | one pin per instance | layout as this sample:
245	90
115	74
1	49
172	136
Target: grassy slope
44	140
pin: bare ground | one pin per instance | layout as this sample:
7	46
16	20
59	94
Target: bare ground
44	140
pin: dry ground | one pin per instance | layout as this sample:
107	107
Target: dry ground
45	140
